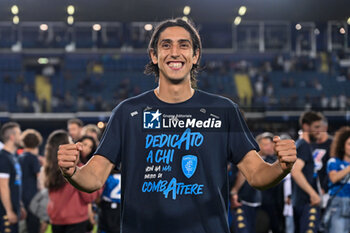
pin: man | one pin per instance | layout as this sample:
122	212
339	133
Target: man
75	127
320	153
30	165
305	196
272	199
174	143
10	179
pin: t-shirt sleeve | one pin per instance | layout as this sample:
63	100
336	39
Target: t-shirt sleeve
332	165
110	145
303	151
35	165
5	167
241	140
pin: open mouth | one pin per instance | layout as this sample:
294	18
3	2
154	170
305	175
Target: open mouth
175	65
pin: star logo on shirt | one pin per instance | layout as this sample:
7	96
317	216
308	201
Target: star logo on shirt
152	119
156	115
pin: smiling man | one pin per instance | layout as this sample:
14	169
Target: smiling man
174	143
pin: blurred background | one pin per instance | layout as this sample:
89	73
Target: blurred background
66	59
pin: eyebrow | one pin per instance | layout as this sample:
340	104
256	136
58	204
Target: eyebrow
180	41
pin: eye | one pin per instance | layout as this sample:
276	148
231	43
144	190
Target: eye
185	45
165	45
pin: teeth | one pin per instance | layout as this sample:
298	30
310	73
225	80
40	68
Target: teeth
175	64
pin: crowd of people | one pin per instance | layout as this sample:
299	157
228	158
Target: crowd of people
33	189
316	196
320	174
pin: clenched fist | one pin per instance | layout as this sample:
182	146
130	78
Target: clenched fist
68	158
286	152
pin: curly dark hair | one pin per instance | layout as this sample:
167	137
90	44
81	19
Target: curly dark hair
152	68
338	144
31	138
53	177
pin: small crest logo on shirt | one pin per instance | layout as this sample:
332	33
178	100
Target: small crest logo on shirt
189	165
151	119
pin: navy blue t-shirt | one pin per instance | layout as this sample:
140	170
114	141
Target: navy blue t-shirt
174	161
11	169
30	168
304	152
320	153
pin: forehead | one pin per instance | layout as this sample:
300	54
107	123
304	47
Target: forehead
316	123
265	140
175	33
87	140
71	125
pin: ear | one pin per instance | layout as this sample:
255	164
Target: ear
196	57
153	56
306	127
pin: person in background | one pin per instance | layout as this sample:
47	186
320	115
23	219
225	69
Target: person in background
272	199
338	169
93	131
320	153
11	209
109	214
287	194
89	147
31	140
75	126
306	196
245	201
68	207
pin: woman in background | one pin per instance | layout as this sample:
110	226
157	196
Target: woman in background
89	147
338	169
68	207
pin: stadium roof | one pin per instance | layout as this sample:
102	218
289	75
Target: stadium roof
155	10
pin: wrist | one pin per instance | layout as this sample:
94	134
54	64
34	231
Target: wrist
284	168
313	193
233	193
9	212
70	176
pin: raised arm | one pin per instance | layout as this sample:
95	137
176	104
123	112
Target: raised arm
262	175
87	178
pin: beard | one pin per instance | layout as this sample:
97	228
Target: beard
312	138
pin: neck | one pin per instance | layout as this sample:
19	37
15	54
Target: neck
10	147
31	150
305	136
174	93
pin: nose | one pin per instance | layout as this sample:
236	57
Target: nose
174	52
